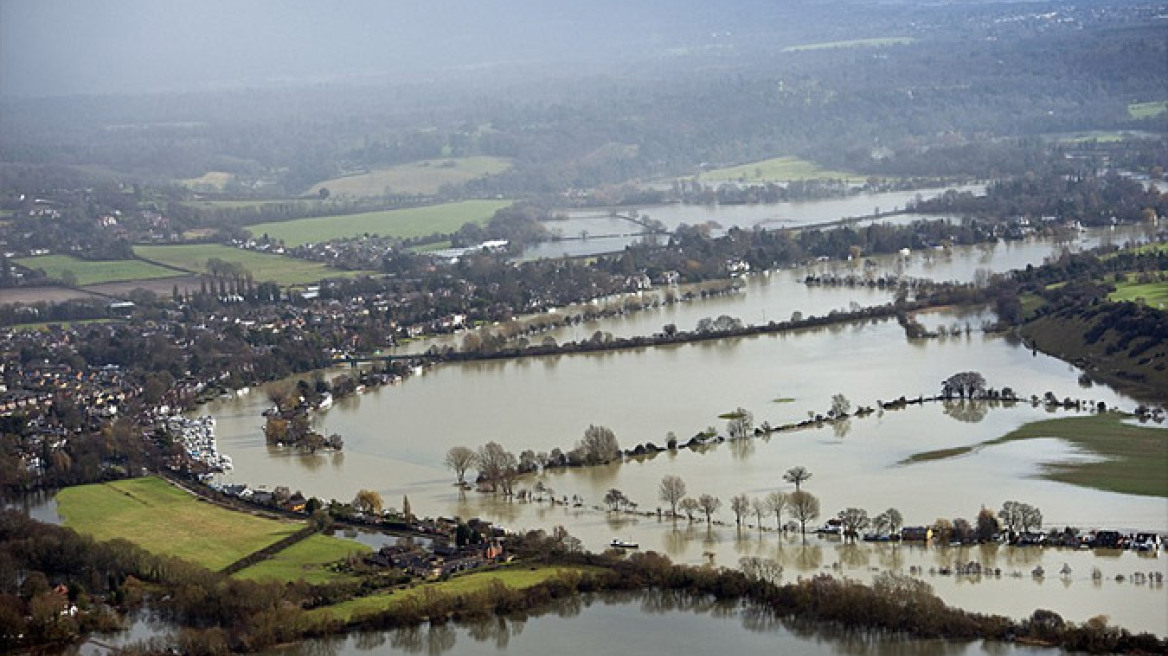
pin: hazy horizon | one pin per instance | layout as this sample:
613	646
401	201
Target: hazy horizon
70	47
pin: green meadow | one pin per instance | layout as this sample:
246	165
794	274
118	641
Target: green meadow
422	178
262	266
413	222
92	272
163	519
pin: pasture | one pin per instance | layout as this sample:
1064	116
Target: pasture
163	519
262	266
422	178
1155	294
93	272
308	559
413	222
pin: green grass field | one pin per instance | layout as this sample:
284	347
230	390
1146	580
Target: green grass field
778	168
95	272
165	520
262	266
1154	294
307	559
1147	109
514	577
855	43
423	178
413	222
1135	458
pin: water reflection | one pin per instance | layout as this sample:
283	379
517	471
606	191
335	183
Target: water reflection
644	623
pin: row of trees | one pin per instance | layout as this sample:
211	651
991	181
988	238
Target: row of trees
498	469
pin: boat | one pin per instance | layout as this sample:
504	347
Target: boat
618	543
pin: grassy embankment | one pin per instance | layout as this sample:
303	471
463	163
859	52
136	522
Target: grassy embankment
1135	458
854	43
413	222
262	266
423	178
517	577
92	272
775	169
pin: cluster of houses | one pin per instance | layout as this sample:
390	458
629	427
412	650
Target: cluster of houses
439	559
1101	539
99	390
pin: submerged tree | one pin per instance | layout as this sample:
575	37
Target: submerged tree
671	491
709	504
805	508
776	502
460	459
739	505
598	446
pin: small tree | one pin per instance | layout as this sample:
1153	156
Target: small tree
987	525
709	504
740	424
614	498
797	475
840	405
759	508
739	504
776	502
671	491
689	506
805	508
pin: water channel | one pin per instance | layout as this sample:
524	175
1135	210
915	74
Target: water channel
396	438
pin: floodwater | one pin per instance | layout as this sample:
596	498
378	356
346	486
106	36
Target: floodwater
396	437
638	623
767	215
597	231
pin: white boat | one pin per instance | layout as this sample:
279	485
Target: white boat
623	544
326	401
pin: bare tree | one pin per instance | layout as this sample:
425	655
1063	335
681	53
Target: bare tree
671	491
797	475
497	466
740	424
759	508
853	520
739	504
460	459
709	504
599	446
776	502
689	506
805	508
